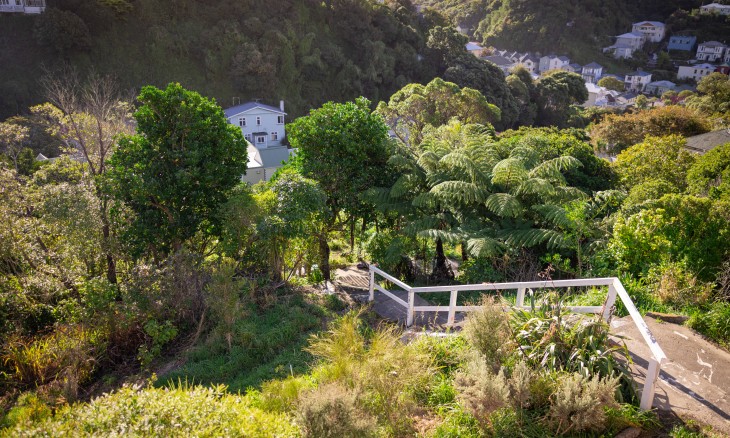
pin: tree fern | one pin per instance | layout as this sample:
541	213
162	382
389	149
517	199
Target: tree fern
504	205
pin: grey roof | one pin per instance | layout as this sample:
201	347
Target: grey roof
272	157
238	109
662	84
628	95
575	66
705	142
676	37
564	58
498	60
631	35
529	56
473	46
639	73
712	44
653	23
593	65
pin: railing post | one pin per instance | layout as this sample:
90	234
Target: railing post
371	297
610	301
452	307
411	304
647	395
520	301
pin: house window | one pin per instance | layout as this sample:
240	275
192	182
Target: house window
247	137
258	121
274	135
260	139
280	120
242	122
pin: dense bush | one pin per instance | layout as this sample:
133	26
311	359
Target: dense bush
332	411
177	411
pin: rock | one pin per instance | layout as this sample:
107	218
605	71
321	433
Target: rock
631	432
668	317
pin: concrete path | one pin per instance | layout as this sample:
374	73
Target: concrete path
695	381
357	283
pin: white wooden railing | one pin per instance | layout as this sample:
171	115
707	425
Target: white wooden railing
615	289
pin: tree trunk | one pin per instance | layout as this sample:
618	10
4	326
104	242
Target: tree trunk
464	252
111	265
442	268
324	257
352	234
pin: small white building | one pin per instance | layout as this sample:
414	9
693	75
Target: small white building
553	62
263	127
592	72
715	8
23	6
637	80
710	51
658	88
626	45
530	62
653	30
695	72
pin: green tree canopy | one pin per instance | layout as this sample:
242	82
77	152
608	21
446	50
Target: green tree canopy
175	172
344	147
416	106
557	91
611	83
656	158
710	174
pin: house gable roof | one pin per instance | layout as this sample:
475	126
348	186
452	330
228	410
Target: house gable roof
632	35
705	142
593	65
650	23
248	106
712	44
498	60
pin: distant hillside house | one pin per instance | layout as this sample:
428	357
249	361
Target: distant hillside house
23	6
573	68
553	62
529	62
706	142
592	72
710	51
503	63
637	80
658	88
626	45
682	42
723	68
715	8
263	127
695	72
653	30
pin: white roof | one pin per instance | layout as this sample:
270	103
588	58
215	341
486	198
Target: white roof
704	66
632	35
653	23
663	84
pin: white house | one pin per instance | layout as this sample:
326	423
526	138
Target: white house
573	67
658	88
653	30
626	45
23	6
263	127
530	62
710	51
637	80
592	72
716	8
695	72
553	62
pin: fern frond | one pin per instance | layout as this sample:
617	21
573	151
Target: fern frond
484	247
458	191
509	172
504	205
446	236
530	237
536	186
555	166
554	214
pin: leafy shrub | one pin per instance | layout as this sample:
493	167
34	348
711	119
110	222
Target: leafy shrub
385	373
579	403
675	285
178	411
488	331
713	322
29	408
332	411
66	357
480	391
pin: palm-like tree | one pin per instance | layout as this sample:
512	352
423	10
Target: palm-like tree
460	185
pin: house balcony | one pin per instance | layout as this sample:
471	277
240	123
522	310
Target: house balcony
12	8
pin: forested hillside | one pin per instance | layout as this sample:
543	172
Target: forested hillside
306	52
550	26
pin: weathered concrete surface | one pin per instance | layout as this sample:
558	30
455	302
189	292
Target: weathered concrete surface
694	382
386	307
